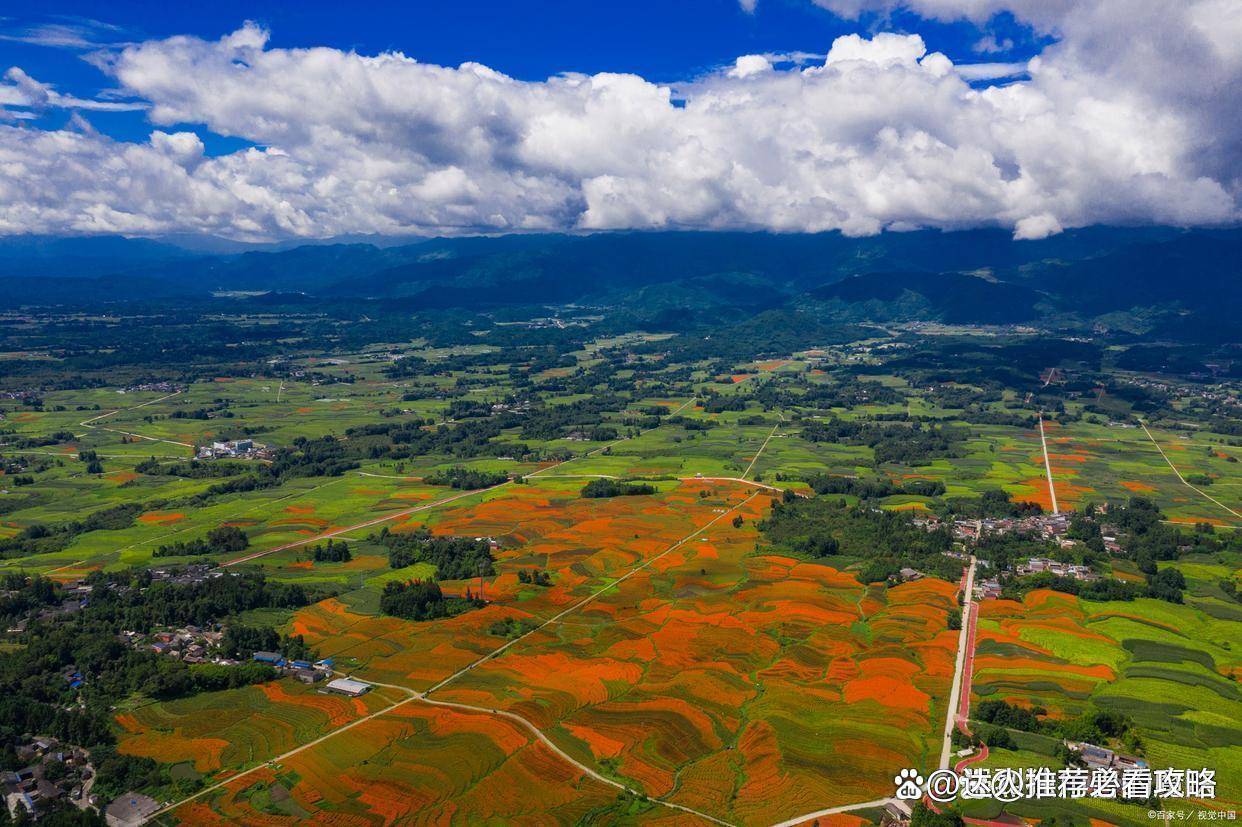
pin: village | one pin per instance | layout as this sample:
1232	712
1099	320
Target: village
1052	528
233	449
52	772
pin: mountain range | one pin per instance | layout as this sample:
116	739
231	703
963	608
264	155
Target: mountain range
1161	281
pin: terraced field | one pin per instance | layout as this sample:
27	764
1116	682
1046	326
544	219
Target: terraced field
1172	669
221	732
742	685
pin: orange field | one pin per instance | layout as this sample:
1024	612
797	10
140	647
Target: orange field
157	518
749	686
417	765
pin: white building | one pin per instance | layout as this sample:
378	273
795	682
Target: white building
349	686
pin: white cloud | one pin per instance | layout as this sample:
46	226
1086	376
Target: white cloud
1107	126
748	65
65	33
1036	226
24	92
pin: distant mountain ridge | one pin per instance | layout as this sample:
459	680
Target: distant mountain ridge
975	276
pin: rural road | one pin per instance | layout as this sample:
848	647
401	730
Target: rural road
964	640
1179	473
416	695
89	423
1052	491
368	524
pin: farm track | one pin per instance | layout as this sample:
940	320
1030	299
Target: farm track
422	696
89	423
416	695
762	447
1052	491
1169	462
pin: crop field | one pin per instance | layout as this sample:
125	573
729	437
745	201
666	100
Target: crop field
721	677
1121	462
584	544
668	664
418	764
1172	669
219	733
714	675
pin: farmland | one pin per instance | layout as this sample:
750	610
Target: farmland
656	654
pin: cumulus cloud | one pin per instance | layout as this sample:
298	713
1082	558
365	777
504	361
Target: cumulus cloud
881	134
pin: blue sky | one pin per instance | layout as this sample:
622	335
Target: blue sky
662	40
445	118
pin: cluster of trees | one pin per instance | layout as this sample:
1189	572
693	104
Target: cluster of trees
423	600
20	595
44	539
1097	726
220	540
193	470
887	540
587	415
91	458
35	697
136	602
603	487
535	577
54	438
411	438
912	443
241	641
455	558
331	552
873	489
467	479
510	627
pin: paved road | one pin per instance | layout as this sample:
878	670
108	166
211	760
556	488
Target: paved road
963	711
963	642
1052	491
